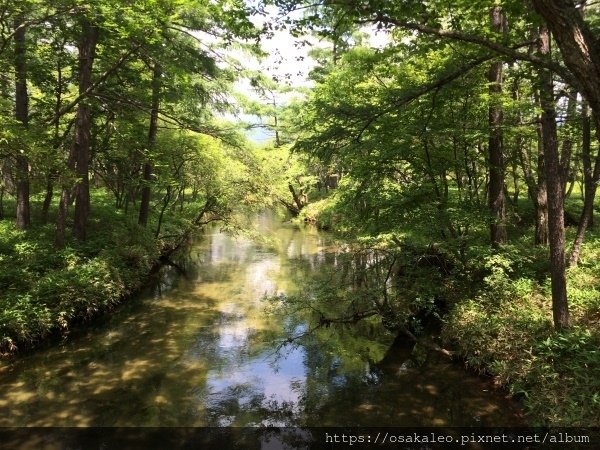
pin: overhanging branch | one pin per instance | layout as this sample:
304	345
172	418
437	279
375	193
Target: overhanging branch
481	41
65	109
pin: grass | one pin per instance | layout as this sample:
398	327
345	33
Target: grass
504	328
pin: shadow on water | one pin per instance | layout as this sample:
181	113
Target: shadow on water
200	351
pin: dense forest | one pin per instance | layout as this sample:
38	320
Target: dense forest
458	161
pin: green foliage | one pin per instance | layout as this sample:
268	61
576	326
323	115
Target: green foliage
500	314
410	126
405	127
45	291
506	331
323	212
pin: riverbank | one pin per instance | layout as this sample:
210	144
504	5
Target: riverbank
504	327
45	291
497	316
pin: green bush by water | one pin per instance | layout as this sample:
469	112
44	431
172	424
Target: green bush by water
506	330
45	290
499	318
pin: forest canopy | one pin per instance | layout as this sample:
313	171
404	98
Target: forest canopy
464	149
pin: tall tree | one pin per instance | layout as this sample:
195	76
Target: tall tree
22	115
556	211
87	53
541	191
152	132
496	187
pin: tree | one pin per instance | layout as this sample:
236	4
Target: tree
152	132
21	115
88	41
495	145
579	52
556	226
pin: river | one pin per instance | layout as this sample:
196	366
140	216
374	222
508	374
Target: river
205	349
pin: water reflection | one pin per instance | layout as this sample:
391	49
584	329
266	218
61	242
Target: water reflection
200	350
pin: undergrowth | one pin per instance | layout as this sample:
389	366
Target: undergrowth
505	329
44	291
499	315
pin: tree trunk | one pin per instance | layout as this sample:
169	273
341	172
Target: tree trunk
297	199
65	201
536	189
61	219
541	204
589	183
1	202
87	53
147	176
23	221
541	200
275	121
47	199
556	226
166	200
496	196
578	45
567	145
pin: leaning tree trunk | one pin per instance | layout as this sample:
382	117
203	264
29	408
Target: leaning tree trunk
556	226
581	54
496	196
87	53
145	200
22	115
590	179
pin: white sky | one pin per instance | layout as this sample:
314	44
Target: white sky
285	56
287	61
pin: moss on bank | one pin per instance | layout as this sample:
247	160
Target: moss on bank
44	291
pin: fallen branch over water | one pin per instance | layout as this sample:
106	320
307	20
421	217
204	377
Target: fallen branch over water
207	214
427	344
325	322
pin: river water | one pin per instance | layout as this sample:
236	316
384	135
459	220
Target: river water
207	349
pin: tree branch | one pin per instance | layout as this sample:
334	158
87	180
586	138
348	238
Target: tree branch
423	90
31	22
65	109
481	41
